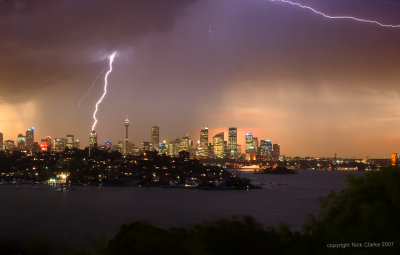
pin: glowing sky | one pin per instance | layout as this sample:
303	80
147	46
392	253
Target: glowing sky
315	86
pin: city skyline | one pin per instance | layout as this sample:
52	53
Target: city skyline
317	86
232	145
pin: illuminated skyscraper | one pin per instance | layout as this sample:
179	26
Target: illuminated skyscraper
184	144
232	142
202	148
1	141
60	144
93	139
30	138
276	152
204	137
266	149
21	141
251	150
70	141
218	144
155	138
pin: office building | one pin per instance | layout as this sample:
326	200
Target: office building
232	143
276	152
155	138
266	149
185	144
21	142
30	138
251	149
218	145
202	147
93	139
60	144
70	141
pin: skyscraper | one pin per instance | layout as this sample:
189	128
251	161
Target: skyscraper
202	148
204	137
232	142
1	141
93	139
155	138
266	149
21	141
184	144
59	144
70	141
250	149
127	122
30	138
276	152
218	144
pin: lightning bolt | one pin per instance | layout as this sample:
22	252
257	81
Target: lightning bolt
90	89
336	17
110	59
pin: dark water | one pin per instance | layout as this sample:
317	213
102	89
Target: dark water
75	216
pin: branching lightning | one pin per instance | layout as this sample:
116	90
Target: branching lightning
110	59
336	17
90	89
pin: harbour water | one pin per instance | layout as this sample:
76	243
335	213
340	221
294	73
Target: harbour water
87	212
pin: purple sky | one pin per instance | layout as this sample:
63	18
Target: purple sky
315	86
